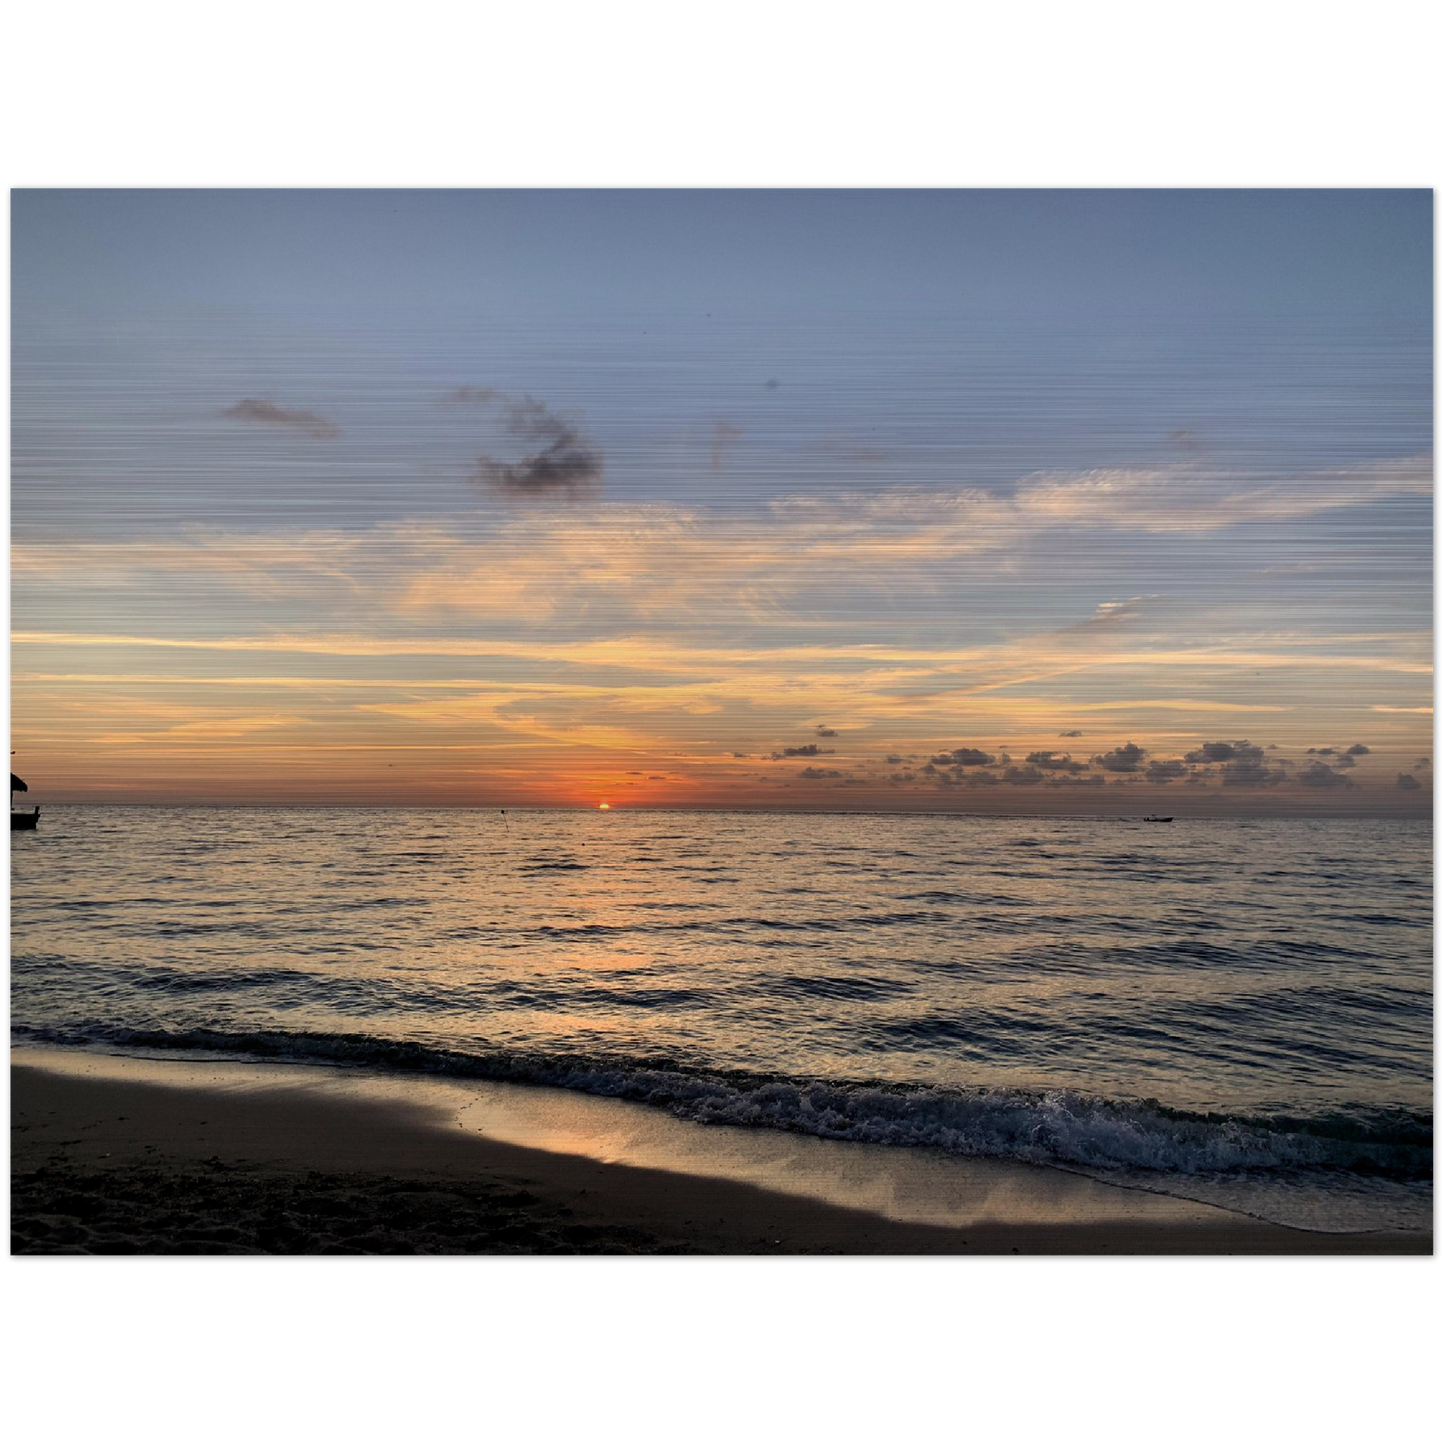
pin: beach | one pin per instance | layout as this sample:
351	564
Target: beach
115	1155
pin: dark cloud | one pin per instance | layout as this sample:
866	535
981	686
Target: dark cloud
1359	750
1344	761
472	396
267	413
1056	763
981	780
820	773
1122	760
1252	773
1072	733
1422	762
1092	781
893	759
825	732
739	755
1165	771
901	777
1022	777
724	434
1239	751
565	461
1323	752
1407	782
771	384
808	750
1322	775
963	758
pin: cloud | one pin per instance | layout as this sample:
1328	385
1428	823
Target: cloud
1022	777
1241	750
1060	763
1359	750
1122	760
1250	772
820	773
267	413
1322	775
724	435
472	396
566	462
1407	782
1165	771
963	758
825	732
1092	781
1072	733
1189	498
808	750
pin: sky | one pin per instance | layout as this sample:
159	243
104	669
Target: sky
1025	502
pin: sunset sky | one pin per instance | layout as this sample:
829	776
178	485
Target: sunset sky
980	501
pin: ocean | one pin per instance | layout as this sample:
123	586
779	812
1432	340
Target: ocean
1236	1012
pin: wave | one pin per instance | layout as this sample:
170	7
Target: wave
1060	1127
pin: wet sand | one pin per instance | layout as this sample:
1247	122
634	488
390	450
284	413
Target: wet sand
121	1156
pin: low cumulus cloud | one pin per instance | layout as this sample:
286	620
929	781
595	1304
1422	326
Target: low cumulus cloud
820	773
825	732
1056	762
1022	777
564	463
1122	760
1322	775
1166	770
1072	733
808	750
1358	750
724	437
1407	782
267	413
1245	774
962	758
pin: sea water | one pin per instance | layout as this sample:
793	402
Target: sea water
1238	1012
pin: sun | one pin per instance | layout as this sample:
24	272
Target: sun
604	806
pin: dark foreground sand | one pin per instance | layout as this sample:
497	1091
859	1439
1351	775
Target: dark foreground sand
111	1166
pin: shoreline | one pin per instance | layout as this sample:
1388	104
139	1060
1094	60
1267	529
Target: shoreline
113	1154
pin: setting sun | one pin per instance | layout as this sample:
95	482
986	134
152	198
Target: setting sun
604	806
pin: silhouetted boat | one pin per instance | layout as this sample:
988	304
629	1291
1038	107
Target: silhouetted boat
1155	818
21	822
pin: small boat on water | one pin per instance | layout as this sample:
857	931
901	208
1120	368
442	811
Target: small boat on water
1155	818
21	821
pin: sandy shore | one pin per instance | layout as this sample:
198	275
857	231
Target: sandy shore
136	1159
